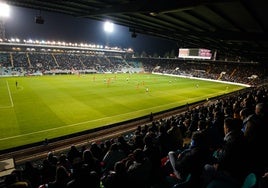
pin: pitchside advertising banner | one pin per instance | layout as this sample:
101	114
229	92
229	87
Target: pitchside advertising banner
195	53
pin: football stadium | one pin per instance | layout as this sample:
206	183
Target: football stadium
88	115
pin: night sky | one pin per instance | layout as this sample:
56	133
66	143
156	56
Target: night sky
61	27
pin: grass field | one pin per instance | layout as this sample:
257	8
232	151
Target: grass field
52	106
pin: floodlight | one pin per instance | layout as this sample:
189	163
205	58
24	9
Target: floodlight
108	27
4	10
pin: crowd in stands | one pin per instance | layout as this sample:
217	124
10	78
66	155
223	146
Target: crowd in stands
216	70
217	144
30	63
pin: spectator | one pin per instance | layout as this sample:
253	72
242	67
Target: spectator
139	172
175	136
31	174
245	114
192	160
84	178
117	178
256	134
61	179
112	156
13	181
152	152
232	160
92	163
73	154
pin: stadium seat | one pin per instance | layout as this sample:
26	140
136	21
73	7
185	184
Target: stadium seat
250	181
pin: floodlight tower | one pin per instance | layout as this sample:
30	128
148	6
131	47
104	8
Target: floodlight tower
2	30
108	28
4	13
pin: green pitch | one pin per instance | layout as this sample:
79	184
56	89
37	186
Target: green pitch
51	106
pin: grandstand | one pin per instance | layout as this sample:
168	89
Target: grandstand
22	59
35	58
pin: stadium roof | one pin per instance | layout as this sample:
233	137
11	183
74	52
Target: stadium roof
232	27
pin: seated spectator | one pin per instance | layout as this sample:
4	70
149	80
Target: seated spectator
96	151
84	178
192	160
14	180
123	145
175	136
231	161
31	174
112	156
92	163
73	154
245	114
152	152
47	171
117	178
61	179
256	134
139	172
63	161
163	141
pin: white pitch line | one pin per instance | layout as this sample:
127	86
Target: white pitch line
80	123
9	93
10	98
71	125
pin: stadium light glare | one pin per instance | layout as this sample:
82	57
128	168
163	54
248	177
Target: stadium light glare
108	27
4	10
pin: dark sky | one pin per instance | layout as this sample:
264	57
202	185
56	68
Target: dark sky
61	27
